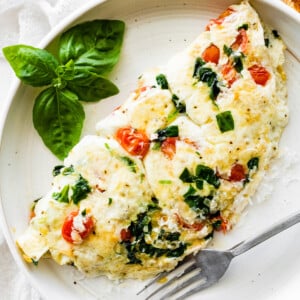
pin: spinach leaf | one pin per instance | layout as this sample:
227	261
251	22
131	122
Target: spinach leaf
62	196
91	87
208	174
80	190
208	76
180	106
93	46
253	163
162	81
58	117
34	66
170	131
225	121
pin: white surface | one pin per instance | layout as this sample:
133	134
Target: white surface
155	31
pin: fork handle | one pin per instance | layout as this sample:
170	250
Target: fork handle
277	228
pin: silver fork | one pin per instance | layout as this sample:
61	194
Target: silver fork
207	266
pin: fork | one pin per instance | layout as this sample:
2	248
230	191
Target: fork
203	269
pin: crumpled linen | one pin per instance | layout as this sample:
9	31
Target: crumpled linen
27	22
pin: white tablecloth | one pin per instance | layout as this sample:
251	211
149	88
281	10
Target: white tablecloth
27	22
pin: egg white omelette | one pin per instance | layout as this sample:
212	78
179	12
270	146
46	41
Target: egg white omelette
176	162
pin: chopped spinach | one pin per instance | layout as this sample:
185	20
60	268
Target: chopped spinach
267	42
129	162
244	26
142	227
208	76
80	190
57	169
68	170
186	176
225	121
198	203
207	174
170	131
275	33
162	81
62	196
180	107
253	163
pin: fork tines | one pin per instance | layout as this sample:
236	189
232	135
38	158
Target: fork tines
184	275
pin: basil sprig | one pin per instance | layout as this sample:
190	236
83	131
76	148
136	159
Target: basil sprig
86	54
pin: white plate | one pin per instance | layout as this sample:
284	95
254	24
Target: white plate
155	31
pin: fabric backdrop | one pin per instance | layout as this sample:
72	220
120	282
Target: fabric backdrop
27	22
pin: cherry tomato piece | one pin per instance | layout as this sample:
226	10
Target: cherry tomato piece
133	141
196	226
211	54
259	74
241	41
220	19
237	173
68	227
168	147
125	235
229	73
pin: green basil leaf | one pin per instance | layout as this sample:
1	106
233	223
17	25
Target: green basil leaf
91	87
225	121
36	67
58	117
93	46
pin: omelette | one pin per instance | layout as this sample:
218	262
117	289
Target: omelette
178	161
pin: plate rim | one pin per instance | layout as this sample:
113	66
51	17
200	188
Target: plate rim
17	85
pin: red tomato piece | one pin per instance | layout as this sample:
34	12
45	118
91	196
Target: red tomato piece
241	41
237	173
196	226
125	235
211	54
221	18
133	141
68	227
259	74
224	224
229	73
168	147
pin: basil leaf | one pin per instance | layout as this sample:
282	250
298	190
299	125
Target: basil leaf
225	121
58	117
91	87
93	46
36	67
